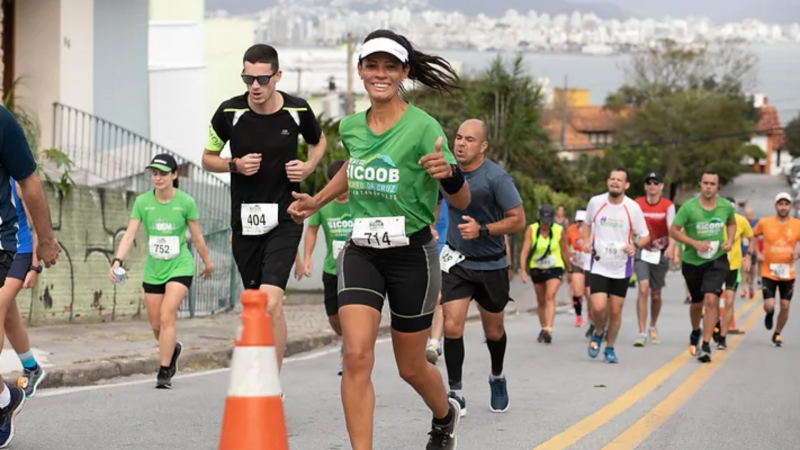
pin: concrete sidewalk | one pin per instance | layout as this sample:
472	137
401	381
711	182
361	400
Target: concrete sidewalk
79	355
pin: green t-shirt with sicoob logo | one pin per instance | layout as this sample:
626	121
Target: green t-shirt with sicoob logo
166	225
701	224
384	176
336	224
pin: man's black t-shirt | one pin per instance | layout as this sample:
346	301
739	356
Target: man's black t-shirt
274	136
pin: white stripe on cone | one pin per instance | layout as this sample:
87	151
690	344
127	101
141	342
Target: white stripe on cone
254	373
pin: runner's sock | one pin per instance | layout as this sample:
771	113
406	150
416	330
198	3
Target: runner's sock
497	352
28	360
434	342
454	359
5	397
576	303
446	419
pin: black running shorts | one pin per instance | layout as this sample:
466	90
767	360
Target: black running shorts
162	288
617	287
539	276
706	278
490	288
330	284
409	275
784	288
730	281
267	259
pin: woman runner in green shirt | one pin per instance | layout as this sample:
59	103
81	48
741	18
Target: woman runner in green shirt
166	212
398	161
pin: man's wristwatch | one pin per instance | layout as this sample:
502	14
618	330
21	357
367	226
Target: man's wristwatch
484	231
37	269
232	165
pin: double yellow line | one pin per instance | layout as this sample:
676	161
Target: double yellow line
637	433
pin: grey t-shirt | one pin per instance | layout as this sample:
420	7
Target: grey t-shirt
493	193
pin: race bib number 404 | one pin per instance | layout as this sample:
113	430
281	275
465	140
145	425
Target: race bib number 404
259	218
380	232
164	247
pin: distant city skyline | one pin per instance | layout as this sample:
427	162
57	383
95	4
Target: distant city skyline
300	24
773	11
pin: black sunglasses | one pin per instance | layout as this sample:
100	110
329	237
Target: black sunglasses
653	182
262	79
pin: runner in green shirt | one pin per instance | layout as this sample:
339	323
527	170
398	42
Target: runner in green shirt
169	268
399	160
700	224
336	223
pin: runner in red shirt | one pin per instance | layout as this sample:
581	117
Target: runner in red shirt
652	262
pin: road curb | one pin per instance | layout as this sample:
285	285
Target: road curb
86	374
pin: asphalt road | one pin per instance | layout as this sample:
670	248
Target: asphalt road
560	398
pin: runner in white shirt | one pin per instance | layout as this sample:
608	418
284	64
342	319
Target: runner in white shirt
612	220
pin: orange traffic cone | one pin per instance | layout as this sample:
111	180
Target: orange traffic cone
254	416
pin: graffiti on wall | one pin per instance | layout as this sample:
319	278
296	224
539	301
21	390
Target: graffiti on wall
88	224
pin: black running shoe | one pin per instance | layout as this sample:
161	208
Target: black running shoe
173	364
444	437
704	355
722	343
547	337
164	380
9	413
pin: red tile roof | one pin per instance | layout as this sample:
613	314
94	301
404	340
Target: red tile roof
770	125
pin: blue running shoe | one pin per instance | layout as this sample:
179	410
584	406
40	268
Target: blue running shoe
611	357
594	345
9	413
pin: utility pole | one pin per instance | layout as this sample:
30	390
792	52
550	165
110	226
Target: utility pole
351	48
564	113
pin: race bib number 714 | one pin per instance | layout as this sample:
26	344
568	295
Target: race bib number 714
380	232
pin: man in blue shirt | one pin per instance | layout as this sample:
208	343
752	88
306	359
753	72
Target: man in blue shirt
16	161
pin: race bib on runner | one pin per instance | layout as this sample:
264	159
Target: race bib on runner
380	232
449	258
546	263
782	271
164	247
711	250
611	253
259	218
651	257
337	247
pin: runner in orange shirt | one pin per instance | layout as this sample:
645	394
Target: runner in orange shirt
577	277
780	234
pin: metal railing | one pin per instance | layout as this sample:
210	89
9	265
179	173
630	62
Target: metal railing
105	155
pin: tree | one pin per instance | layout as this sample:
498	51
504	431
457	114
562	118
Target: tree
793	136
639	161
689	102
319	178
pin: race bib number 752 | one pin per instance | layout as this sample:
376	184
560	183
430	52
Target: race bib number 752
380	232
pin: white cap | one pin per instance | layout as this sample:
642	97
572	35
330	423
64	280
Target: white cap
383	45
783	196
580	216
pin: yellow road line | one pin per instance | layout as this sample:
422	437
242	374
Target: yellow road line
653	420
619	405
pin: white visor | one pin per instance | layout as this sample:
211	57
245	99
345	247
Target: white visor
580	216
383	45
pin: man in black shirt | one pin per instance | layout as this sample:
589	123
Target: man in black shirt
262	126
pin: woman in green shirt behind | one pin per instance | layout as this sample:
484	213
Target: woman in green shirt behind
166	213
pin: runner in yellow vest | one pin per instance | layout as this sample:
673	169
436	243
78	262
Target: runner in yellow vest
544	252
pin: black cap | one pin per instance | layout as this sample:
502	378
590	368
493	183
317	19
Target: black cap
163	162
654	176
547	213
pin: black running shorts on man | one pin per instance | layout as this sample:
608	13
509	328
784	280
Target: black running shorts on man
489	288
617	287
772	289
21	266
262	227
706	278
410	276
